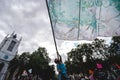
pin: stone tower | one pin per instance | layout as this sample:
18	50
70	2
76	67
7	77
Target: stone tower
8	50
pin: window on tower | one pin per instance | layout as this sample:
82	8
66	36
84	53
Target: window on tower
1	65
11	46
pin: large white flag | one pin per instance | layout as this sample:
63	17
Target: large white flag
84	19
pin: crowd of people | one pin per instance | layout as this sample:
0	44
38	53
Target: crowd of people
99	73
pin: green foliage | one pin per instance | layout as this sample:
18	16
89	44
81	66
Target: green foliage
114	50
86	55
115	46
38	61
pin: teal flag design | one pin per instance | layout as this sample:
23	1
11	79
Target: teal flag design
84	19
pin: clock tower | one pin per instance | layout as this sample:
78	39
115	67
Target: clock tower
8	50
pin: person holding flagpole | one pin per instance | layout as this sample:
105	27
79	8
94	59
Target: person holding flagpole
61	68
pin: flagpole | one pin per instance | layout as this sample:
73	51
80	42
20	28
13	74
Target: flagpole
52	30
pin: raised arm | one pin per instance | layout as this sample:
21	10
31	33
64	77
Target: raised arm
60	58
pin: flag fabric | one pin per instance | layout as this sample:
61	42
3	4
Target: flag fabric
84	19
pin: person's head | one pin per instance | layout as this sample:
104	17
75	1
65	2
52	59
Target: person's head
56	61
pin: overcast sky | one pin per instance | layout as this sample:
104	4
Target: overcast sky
30	20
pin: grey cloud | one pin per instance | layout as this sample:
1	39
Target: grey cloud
29	19
24	19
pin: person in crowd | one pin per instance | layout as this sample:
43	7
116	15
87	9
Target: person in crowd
91	73
61	68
